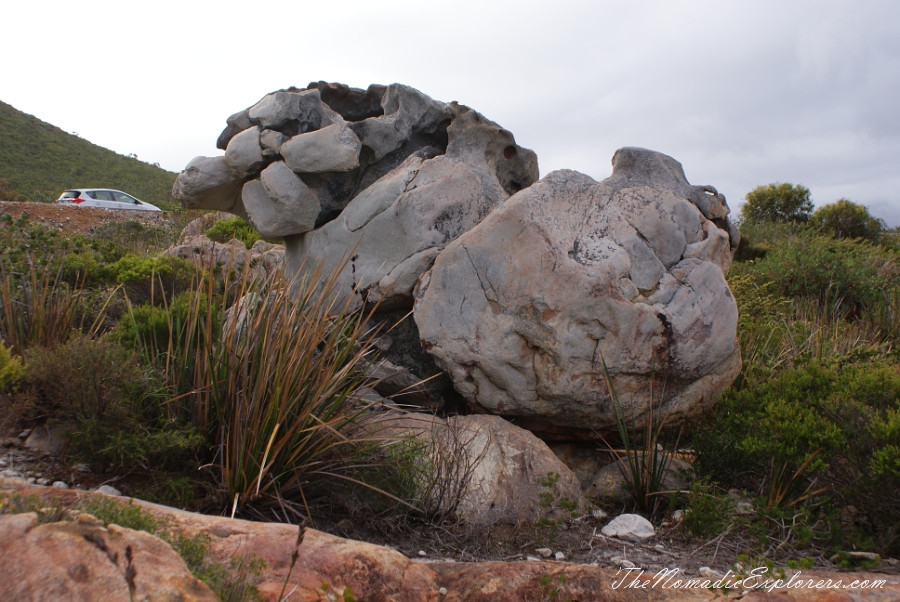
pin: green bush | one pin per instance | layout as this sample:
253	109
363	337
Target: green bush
708	511
153	328
82	379
151	279
846	219
779	202
844	277
823	425
11	368
230	228
113	446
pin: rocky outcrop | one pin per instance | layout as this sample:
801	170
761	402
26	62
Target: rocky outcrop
524	295
263	259
524	310
41	564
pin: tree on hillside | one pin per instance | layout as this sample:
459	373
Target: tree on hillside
777	203
846	219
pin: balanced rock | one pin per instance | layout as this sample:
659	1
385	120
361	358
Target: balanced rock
572	279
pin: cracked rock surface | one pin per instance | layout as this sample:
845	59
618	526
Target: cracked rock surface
524	309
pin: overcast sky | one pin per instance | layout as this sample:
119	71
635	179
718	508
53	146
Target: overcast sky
742	93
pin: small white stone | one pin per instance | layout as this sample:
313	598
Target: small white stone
630	527
559	556
60	484
43	481
709	573
622	562
544	552
599	514
108	490
443	591
422	553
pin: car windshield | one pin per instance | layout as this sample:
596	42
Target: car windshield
70	194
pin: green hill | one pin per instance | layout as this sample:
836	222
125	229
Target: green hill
38	161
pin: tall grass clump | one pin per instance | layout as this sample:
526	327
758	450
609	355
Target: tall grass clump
643	455
38	306
272	381
283	385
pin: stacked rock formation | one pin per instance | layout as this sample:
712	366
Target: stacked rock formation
521	291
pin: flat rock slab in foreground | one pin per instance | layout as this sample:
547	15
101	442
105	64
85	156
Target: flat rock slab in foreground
373	572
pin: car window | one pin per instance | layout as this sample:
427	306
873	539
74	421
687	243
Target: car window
101	195
124	198
70	194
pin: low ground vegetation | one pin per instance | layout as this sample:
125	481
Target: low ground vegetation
135	354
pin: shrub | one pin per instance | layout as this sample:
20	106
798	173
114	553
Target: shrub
708	512
134	237
281	390
152	279
11	368
114	446
429	475
82	379
825	424
845	277
115	408
38	308
153	328
273	390
777	203
230	228
846	219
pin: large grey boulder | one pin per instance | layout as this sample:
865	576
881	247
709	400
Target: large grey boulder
209	183
279	203
524	309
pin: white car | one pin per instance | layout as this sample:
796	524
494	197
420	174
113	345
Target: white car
105	198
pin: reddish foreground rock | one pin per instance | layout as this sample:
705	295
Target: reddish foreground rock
81	560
